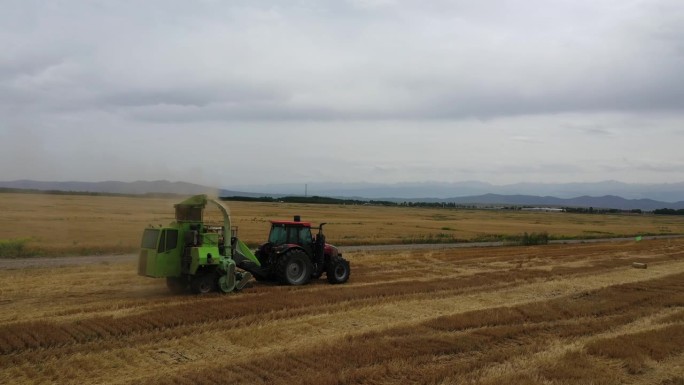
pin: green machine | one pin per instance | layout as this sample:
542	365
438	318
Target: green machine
192	254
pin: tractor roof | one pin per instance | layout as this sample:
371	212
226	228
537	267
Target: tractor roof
292	223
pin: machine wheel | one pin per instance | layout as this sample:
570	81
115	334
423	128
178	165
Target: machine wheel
338	271
203	283
294	268
177	285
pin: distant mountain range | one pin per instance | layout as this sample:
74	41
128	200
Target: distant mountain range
609	194
672	192
606	201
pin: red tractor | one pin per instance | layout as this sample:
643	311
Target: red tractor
294	256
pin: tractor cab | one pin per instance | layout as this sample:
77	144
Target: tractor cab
295	233
284	232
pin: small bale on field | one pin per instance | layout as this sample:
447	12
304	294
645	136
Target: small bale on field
639	265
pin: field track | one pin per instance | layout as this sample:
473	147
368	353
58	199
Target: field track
554	314
14	263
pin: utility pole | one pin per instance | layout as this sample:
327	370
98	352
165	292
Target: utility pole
306	190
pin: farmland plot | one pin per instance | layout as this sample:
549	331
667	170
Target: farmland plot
50	225
556	314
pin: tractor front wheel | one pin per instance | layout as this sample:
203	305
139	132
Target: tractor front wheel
203	283
294	268
338	271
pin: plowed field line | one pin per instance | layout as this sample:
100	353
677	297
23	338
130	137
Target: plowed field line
514	315
200	344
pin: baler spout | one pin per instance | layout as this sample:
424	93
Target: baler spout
226	223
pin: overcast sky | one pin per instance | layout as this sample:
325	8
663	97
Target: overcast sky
230	93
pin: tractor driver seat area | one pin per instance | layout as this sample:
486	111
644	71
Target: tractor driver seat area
278	235
281	235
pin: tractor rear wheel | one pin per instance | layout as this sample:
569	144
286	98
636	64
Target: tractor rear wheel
338	271
204	283
294	268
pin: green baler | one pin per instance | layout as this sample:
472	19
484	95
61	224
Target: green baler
192	254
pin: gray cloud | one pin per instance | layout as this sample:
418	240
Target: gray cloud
358	60
498	85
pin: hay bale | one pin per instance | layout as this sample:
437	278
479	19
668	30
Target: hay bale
639	265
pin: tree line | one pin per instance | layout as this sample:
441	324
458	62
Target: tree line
669	211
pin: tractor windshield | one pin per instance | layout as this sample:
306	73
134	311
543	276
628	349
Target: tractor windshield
281	234
278	235
149	239
305	236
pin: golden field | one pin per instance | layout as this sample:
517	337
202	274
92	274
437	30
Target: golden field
554	314
86	225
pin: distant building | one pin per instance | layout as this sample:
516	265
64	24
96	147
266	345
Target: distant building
545	209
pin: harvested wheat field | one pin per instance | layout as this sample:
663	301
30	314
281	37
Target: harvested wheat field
554	314
54	225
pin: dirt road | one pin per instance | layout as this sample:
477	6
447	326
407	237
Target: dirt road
18	263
